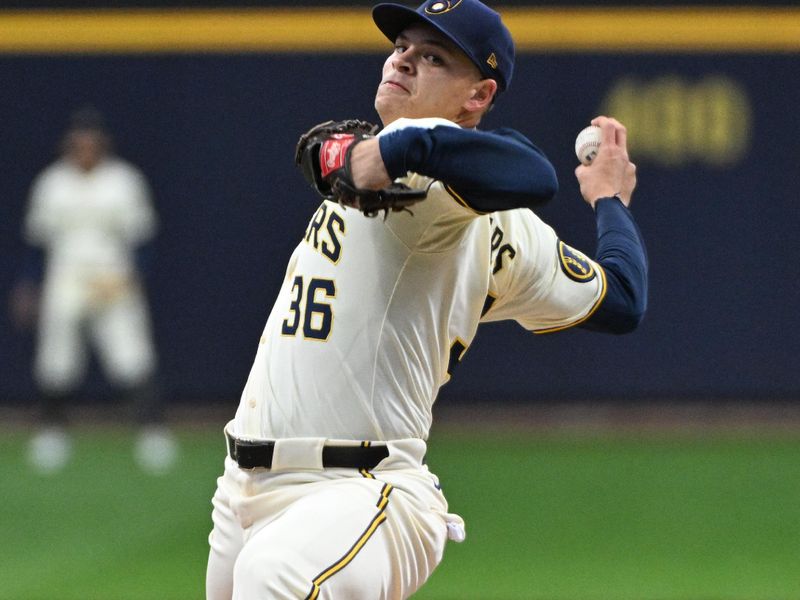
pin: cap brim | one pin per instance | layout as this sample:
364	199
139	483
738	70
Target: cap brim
391	19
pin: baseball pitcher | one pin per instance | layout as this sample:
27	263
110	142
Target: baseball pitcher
424	231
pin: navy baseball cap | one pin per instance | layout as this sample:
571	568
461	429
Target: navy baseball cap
469	24
87	118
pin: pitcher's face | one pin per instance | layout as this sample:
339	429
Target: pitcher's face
425	76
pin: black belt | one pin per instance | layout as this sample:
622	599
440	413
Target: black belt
250	454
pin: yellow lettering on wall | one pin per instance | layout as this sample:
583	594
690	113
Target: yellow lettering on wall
674	121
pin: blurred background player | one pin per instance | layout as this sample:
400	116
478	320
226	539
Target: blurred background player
88	219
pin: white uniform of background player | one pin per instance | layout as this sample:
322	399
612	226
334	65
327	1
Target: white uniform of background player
91	223
371	315
90	211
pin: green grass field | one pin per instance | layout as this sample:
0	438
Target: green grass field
594	517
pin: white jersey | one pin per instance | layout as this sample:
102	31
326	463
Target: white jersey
373	313
90	222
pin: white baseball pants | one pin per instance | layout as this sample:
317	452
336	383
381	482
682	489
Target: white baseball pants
71	320
328	534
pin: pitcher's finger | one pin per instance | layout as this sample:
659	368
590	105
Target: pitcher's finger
608	132
598	120
622	133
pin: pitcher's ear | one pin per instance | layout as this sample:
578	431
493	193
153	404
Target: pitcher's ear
482	95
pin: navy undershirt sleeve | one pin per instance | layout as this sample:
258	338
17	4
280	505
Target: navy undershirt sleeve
622	254
488	170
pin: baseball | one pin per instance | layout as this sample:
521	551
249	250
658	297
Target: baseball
587	143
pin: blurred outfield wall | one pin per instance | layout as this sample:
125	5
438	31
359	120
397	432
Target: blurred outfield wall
210	104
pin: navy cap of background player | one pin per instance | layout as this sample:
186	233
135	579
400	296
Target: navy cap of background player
469	24
87	118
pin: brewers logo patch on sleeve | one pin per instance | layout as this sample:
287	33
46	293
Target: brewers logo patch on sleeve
575	264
